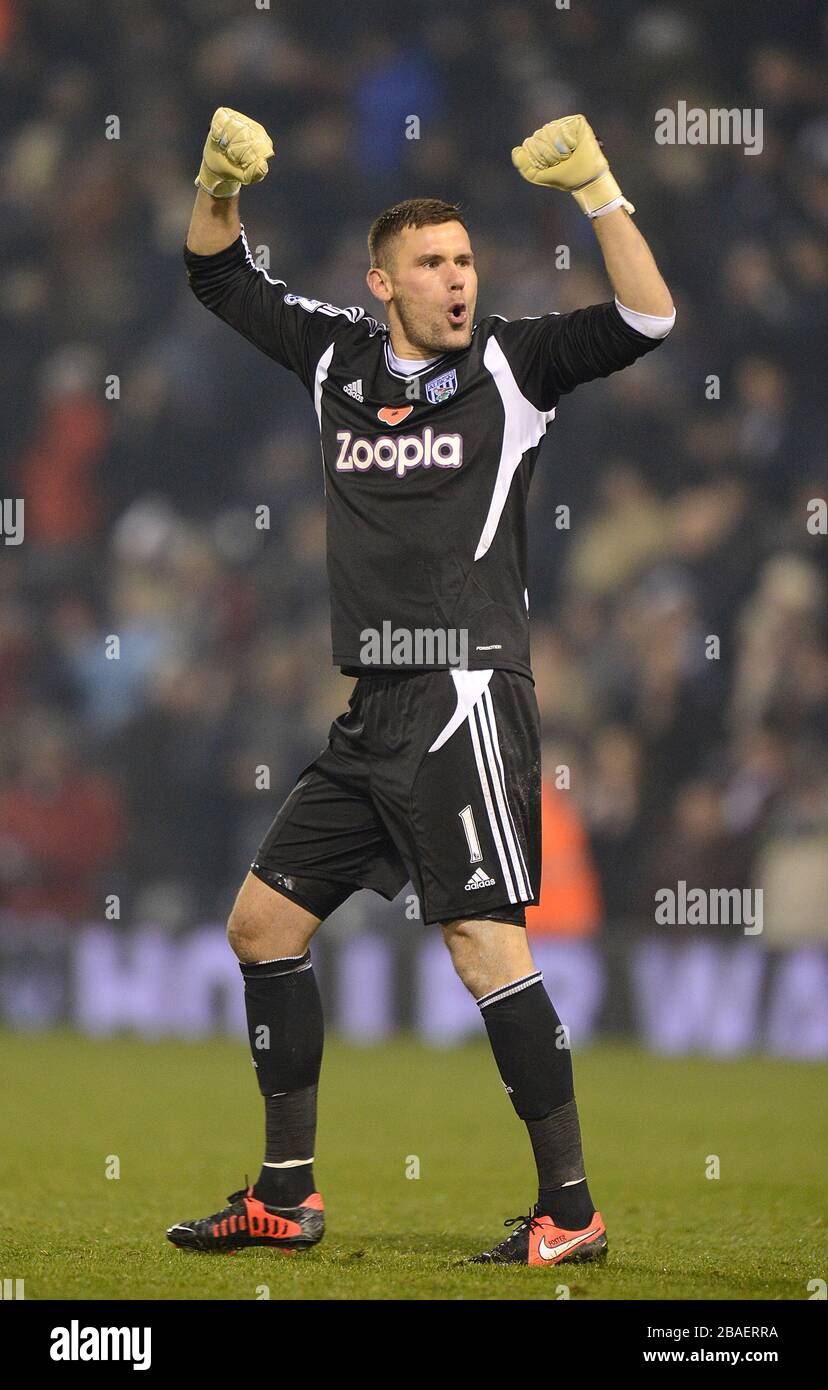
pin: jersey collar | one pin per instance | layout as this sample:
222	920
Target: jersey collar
432	366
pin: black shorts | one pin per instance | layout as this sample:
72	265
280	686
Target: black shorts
429	776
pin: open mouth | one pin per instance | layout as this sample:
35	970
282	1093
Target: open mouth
458	313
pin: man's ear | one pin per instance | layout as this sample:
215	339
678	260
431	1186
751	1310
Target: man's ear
377	282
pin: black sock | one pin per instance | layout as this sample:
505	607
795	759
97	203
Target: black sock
526	1036
535	1065
286	1177
286	1033
571	1207
563	1193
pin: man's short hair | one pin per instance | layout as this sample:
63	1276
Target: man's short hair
414	212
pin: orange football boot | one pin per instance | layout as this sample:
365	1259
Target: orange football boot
538	1241
247	1221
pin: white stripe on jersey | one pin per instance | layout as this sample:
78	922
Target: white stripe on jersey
319	378
258	269
354	312
523	427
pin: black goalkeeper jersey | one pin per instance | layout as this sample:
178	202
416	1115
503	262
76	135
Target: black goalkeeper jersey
426	476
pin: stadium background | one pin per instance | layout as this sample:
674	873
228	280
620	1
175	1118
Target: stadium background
133	781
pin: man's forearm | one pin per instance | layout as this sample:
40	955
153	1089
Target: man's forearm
214	224
630	264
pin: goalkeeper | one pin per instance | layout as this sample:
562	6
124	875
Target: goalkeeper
430	425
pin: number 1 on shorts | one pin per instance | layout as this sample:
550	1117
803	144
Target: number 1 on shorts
467	818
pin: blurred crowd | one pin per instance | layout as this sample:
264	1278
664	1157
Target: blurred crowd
165	662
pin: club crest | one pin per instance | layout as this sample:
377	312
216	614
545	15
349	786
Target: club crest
441	387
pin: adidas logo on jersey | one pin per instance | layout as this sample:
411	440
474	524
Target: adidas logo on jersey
400	452
479	879
354	388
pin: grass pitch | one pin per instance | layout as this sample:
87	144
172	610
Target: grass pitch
185	1122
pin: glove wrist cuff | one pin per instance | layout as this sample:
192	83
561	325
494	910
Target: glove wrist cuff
215	185
594	197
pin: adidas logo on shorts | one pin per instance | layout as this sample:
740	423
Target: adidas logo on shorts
479	879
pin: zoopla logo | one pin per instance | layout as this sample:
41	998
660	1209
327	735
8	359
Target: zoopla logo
398	454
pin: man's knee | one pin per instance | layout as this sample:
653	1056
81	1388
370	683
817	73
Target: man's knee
243	931
264	924
487	954
469	951
460	938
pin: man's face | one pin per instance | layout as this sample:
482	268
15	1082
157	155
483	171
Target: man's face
433	287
